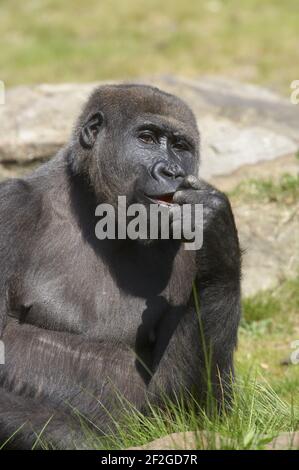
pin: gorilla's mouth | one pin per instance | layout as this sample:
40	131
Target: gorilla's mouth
165	199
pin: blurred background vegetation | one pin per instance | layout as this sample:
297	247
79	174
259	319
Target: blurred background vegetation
75	40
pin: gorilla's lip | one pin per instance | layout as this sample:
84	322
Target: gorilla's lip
165	199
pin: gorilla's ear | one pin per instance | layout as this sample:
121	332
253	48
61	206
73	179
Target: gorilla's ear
90	130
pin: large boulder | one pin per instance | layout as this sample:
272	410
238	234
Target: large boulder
268	235
36	121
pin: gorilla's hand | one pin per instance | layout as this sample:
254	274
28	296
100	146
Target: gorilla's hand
220	249
216	206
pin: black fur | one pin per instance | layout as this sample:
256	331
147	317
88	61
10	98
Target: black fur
84	320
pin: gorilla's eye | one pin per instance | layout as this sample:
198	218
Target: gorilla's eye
147	137
181	145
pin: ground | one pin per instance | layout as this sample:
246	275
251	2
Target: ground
271	317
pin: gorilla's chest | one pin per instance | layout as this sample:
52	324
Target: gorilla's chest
136	296
110	296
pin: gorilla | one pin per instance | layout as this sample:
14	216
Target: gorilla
88	324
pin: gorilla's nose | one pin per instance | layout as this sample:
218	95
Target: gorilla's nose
165	171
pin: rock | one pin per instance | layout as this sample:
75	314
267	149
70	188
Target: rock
240	124
285	441
201	440
269	236
17	169
226	147
190	440
246	104
272	170
36	121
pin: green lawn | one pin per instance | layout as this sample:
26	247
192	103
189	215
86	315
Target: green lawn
283	191
270	325
75	40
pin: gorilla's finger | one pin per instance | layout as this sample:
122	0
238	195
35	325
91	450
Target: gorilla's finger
190	182
184	196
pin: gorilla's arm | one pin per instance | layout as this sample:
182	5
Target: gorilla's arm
20	211
207	342
184	365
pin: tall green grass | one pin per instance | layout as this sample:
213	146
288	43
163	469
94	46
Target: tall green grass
257	415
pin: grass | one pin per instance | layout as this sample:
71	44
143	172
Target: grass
273	304
54	41
283	191
269	326
258	415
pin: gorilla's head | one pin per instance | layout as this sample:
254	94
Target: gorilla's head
136	141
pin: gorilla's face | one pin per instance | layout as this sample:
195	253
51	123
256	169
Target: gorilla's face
138	142
161	154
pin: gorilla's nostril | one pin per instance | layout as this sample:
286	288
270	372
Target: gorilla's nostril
174	171
162	170
168	172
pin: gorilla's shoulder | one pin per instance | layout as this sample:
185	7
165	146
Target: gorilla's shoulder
32	188
19	198
14	189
